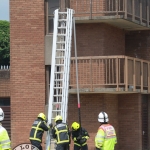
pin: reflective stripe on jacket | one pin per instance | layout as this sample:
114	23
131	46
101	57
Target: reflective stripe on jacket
4	139
37	130
106	137
61	133
84	135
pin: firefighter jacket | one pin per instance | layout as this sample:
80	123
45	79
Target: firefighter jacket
4	139
37	130
84	134
106	137
60	132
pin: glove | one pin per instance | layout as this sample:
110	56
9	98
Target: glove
79	137
82	141
86	137
50	125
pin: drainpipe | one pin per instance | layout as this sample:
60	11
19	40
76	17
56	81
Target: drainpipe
91	9
64	4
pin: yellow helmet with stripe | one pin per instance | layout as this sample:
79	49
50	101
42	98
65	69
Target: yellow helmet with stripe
58	118
42	116
75	126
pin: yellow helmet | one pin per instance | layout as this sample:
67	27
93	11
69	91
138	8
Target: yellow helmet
58	118
75	126
41	115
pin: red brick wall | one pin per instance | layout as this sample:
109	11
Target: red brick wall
137	44
103	40
27	66
91	105
4	83
129	110
83	8
124	112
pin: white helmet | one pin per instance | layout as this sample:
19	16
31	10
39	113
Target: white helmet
1	114
103	117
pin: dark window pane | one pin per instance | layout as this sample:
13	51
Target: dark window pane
50	24
4	101
52	5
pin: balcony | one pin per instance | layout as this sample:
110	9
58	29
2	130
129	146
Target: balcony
110	74
125	14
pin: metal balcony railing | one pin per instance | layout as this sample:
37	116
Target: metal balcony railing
111	73
4	67
137	11
133	10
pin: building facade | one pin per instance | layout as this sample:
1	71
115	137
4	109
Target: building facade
113	61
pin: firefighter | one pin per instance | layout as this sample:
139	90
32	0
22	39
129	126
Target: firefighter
61	133
4	138
79	136
106	135
37	130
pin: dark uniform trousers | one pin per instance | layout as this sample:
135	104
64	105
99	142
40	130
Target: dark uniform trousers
76	147
62	147
77	143
36	144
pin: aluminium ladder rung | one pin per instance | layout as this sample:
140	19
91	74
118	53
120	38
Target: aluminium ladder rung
58	79
62	20
62	27
59	65
62	12
59	57
58	73
60	42
61	34
56	110
55	104
60	49
58	87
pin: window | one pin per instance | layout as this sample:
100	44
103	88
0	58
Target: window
51	5
47	80
4	101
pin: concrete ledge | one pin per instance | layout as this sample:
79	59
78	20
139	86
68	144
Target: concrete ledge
118	21
106	90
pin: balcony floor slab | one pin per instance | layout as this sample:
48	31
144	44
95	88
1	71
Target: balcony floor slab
117	21
106	90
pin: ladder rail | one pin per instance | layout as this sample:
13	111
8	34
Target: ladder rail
48	138
52	67
65	70
68	63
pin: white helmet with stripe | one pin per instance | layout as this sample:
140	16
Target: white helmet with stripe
103	117
1	114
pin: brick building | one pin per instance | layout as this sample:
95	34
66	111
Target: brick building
114	75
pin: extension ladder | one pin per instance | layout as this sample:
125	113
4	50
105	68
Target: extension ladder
60	67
